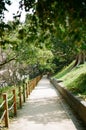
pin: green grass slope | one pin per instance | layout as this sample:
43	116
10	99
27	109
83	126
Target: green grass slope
74	79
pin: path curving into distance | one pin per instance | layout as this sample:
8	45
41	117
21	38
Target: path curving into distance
45	110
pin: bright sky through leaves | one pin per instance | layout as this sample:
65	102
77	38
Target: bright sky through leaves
13	10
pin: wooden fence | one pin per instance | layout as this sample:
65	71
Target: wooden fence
21	96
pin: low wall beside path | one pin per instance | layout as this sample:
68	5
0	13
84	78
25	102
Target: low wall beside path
74	102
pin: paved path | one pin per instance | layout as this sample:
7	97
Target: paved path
44	110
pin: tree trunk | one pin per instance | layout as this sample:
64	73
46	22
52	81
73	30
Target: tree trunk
80	59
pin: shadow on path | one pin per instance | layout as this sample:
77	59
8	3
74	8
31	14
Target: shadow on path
43	110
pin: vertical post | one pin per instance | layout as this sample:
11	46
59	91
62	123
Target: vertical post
6	109
20	97
35	82
32	84
29	87
26	90
24	93
14	100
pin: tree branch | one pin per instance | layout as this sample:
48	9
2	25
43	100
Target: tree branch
7	61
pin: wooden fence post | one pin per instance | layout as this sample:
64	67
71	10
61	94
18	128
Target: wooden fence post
26	90
29	87
24	93
20	97
33	83
6	109
36	81
14	100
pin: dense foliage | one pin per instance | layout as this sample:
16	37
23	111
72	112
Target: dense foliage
52	36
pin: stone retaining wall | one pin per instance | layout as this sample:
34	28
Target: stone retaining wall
75	103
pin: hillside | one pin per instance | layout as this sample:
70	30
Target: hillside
74	79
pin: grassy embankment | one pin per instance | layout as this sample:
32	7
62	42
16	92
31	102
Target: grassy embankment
74	79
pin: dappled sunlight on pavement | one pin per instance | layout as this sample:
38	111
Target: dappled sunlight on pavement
43	111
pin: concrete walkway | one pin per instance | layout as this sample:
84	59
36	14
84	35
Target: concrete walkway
44	110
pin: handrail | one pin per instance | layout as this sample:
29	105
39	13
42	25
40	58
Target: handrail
10	98
27	89
11	107
3	112
2	116
7	109
2	104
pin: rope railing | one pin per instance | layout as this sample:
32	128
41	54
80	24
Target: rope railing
3	112
21	95
10	98
9	109
2	104
2	116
